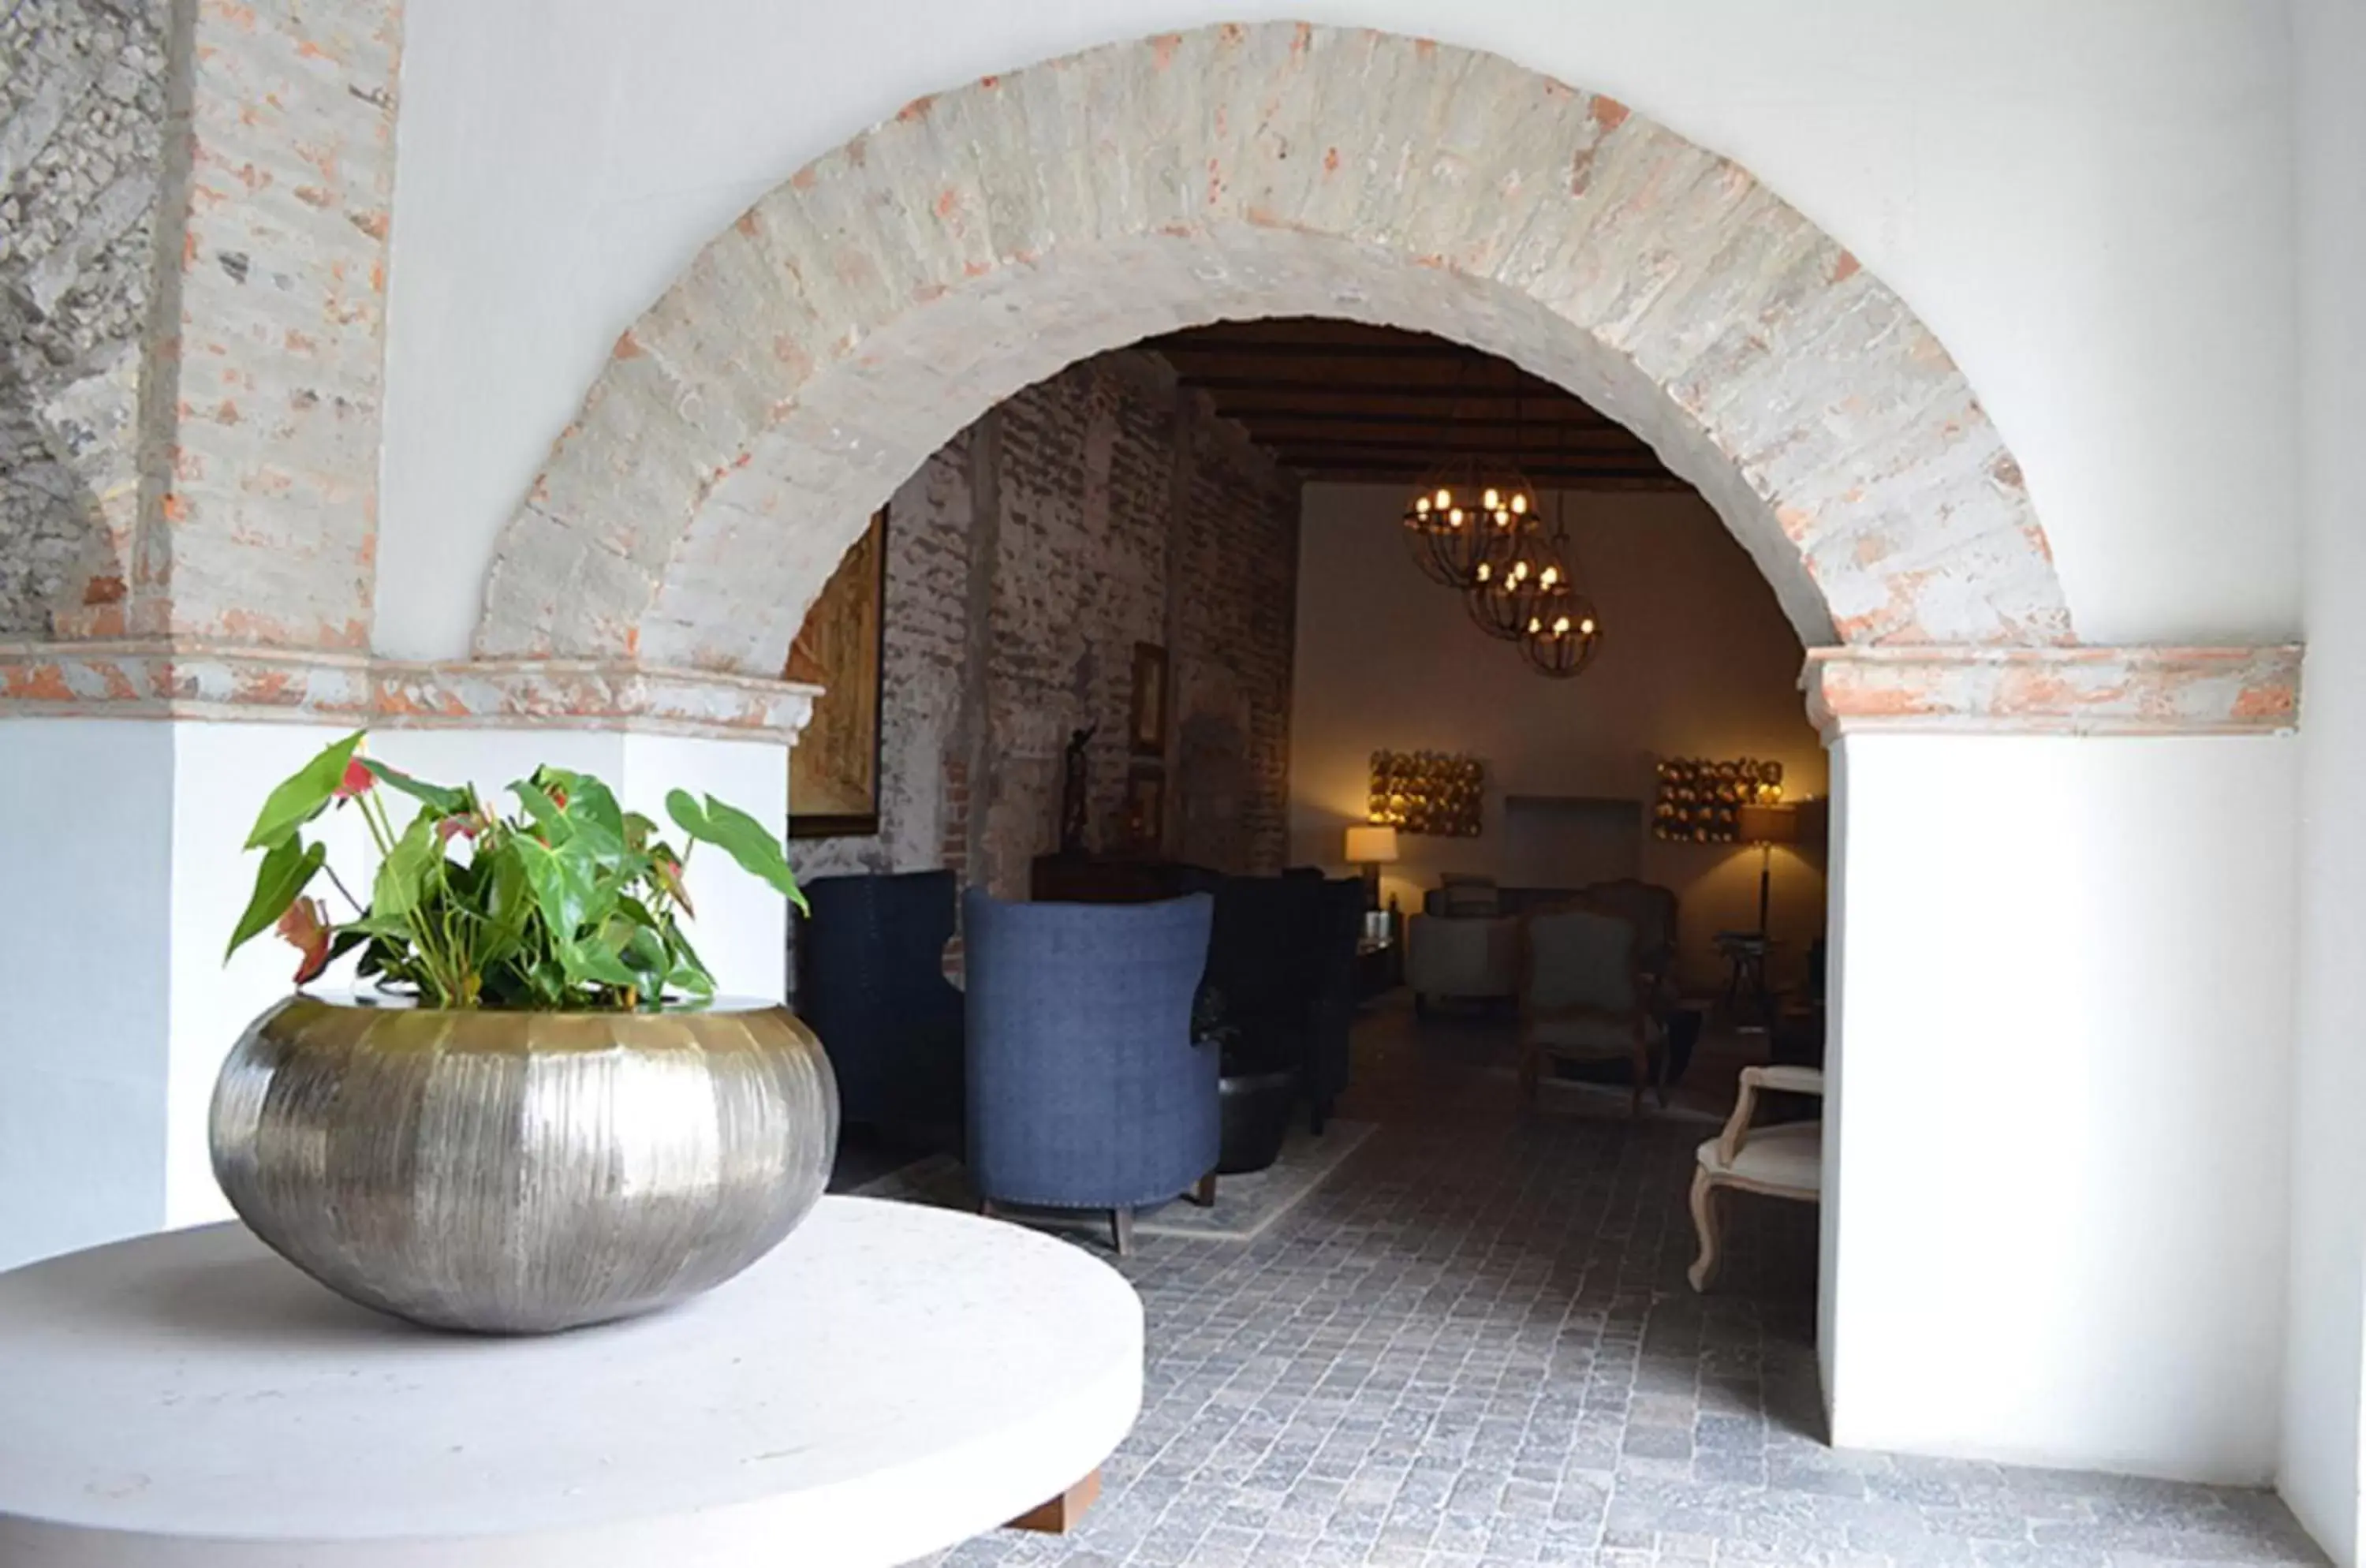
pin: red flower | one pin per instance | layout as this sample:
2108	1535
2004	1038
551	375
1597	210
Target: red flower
304	929
668	873
558	798
453	827
358	780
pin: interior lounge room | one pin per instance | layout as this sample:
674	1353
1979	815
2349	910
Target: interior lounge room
1424	785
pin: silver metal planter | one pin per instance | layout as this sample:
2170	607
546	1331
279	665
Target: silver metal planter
521	1173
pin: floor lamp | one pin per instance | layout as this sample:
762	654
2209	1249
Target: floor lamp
1767	826
1372	846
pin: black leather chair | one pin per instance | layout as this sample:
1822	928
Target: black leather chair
1282	959
871	982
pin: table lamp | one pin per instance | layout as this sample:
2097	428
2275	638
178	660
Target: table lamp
1767	826
1372	845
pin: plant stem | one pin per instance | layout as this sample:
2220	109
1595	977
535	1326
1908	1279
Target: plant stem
339	882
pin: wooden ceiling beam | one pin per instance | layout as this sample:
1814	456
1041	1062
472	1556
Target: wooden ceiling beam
1266	348
1570	481
1530	455
1415	474
1544	394
1593	428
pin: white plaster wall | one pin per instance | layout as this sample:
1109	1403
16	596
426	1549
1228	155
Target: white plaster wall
2321	1441
2086	202
135	827
1696	659
85	833
2059	1075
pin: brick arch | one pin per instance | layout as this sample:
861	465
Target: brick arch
885	294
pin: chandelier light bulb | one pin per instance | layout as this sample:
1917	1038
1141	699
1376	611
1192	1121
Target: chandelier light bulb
1421	505
1519	502
1490	499
1445	498
1454	518
1586	626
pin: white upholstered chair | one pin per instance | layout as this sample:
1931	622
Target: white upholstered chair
1786	1161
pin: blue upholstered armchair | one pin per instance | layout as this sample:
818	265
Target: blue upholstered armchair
872	984
1086	1090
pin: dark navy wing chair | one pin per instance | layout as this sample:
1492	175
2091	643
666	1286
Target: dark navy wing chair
872	984
1086	1090
1283	960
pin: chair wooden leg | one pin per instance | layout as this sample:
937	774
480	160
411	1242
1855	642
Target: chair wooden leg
986	1207
1531	1074
1704	1268
1204	1194
1122	1231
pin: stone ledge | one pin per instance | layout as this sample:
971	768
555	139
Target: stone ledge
159	680
2053	691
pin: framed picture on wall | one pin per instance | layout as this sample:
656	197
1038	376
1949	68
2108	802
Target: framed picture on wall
1146	812
834	768
1146	727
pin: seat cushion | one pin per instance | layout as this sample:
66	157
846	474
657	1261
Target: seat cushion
1447	957
1469	898
1788	1158
1597	1036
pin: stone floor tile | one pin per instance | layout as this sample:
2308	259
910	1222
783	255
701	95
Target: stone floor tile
1474	1346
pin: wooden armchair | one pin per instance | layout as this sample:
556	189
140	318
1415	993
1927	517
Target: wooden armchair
1786	1161
1584	995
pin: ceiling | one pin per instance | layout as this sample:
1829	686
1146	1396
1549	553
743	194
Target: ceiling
1341	400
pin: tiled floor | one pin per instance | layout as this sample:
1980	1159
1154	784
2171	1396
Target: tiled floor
1475	1346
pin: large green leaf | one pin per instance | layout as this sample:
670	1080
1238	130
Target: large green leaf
508	900
403	874
450	802
590	961
302	796
565	890
597	819
278	882
741	837
687	814
544	810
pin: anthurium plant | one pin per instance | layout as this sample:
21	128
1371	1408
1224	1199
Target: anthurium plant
570	904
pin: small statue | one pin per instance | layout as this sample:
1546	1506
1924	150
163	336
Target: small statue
1072	793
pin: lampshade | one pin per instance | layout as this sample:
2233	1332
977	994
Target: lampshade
1767	824
1374	843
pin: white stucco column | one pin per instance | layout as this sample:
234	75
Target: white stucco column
2053	1225
125	838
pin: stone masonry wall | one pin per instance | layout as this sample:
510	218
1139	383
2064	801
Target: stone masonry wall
81	118
1103	534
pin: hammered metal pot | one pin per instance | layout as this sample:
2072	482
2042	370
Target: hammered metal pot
521	1172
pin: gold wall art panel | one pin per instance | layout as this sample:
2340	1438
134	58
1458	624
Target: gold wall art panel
1700	800
1429	792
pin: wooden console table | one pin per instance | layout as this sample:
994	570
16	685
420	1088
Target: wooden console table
891	1381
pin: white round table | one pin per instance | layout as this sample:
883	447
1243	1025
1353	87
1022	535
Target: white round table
890	1380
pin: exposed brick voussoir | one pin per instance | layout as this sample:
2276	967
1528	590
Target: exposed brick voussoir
888	293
